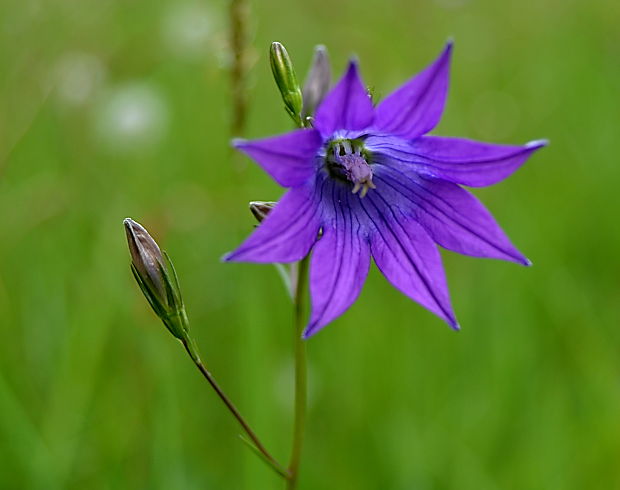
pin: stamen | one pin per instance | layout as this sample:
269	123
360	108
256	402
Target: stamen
365	186
349	163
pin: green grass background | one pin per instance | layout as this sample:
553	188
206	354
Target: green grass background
95	394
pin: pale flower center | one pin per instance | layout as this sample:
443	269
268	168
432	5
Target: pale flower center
347	160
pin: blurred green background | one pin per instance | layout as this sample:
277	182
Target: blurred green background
121	108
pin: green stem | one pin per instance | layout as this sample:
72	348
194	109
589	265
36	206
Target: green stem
256	444
301	375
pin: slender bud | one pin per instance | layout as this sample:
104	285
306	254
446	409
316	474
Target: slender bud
146	256
317	81
260	209
286	79
157	279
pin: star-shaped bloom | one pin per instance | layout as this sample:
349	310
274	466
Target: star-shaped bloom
368	182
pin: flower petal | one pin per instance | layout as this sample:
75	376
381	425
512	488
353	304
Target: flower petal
453	217
287	233
468	162
347	106
415	108
288	158
407	257
339	266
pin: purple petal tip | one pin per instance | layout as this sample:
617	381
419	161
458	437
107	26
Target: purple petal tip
534	145
310	330
227	257
447	50
353	65
238	142
454	325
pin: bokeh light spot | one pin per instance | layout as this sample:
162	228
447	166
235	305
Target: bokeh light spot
188	30
131	118
77	77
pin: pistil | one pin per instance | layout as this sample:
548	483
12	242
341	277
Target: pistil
349	163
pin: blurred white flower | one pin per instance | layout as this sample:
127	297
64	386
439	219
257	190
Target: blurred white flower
131	118
188	30
76	77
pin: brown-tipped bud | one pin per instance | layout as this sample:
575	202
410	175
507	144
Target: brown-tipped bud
317	81
146	256
157	278
260	209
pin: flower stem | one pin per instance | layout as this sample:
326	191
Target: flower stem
301	374
239	14
255	444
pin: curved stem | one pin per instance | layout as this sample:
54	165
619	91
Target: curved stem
301	375
192	350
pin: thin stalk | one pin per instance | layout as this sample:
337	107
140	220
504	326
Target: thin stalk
258	446
301	375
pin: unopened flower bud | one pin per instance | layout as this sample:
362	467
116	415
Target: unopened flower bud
317	81
146	256
260	209
157	278
286	79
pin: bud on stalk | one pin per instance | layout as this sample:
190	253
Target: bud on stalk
286	79
260	209
157	279
317	81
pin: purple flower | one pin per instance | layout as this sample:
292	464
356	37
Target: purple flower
374	184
